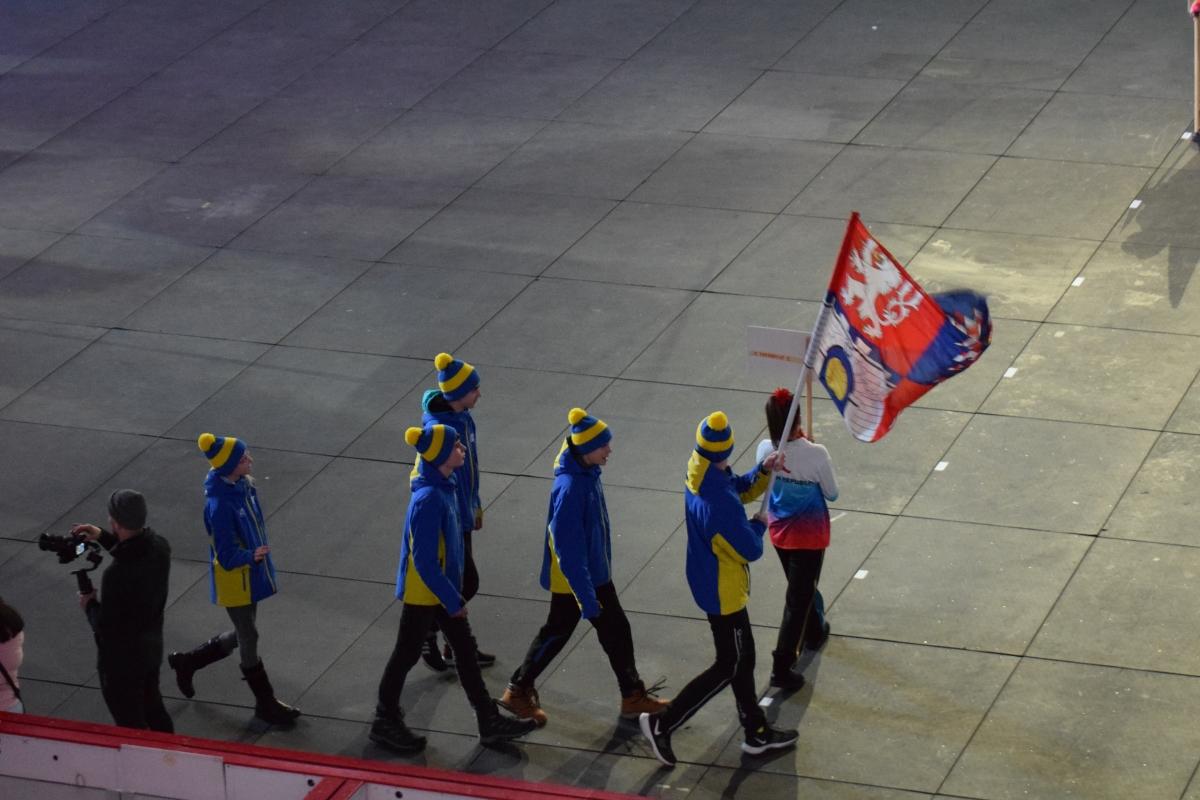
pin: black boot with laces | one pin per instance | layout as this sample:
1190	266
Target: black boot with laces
389	732
495	727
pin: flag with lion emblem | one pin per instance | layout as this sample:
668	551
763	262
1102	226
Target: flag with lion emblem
881	342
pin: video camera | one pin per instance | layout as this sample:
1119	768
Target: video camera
68	548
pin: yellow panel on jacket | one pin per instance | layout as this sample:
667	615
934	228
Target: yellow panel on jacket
558	581
415	591
232	585
733	576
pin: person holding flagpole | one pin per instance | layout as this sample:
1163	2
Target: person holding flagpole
879	343
798	521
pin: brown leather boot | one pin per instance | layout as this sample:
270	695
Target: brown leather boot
523	703
642	701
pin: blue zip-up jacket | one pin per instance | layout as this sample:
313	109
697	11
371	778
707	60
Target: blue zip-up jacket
721	541
431	553
437	411
236	528
577	556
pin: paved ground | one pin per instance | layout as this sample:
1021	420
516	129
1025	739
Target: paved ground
265	218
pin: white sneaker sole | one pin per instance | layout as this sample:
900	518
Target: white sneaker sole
644	724
759	749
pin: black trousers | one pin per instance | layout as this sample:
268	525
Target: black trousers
470	581
133	699
612	629
734	667
415	622
802	620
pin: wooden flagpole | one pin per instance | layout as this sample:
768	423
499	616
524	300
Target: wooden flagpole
808	405
805	376
1195	11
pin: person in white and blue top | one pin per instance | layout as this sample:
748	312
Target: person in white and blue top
798	522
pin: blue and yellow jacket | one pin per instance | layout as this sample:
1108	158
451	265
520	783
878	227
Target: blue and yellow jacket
431	553
577	555
721	541
438	412
236	528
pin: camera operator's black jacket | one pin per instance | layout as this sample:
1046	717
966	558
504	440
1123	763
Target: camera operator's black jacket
128	619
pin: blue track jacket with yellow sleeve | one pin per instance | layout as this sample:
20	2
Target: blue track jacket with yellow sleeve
577	555
721	541
431	553
235	525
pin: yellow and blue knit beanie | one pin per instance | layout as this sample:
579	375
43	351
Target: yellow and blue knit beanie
435	443
714	437
222	452
587	432
456	379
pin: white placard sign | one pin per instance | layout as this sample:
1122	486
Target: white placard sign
776	353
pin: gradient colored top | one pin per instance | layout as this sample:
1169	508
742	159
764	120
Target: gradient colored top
797	513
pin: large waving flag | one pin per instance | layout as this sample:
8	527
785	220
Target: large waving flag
881	342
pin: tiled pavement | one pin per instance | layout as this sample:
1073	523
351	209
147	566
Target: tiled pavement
265	218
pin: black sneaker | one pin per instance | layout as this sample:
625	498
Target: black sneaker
660	741
481	658
431	655
788	680
768	738
392	734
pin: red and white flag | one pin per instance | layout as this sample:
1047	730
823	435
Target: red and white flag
881	342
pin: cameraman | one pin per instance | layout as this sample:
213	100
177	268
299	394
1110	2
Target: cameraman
129	622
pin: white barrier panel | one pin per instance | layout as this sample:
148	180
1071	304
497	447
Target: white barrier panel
84	760
170	773
250	783
46	760
376	792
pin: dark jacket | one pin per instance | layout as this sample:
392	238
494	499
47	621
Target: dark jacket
128	618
